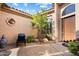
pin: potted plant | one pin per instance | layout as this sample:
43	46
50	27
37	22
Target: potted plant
3	42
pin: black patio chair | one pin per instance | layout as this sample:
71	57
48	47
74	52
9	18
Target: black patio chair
21	39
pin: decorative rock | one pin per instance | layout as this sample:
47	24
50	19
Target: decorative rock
45	40
36	40
65	44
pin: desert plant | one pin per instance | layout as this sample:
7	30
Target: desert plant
40	21
49	36
74	47
30	39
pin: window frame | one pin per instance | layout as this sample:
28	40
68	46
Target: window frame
67	15
65	11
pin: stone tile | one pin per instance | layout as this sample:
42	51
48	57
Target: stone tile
14	52
41	50
37	49
5	53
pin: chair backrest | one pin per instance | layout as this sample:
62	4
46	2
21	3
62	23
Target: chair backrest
21	37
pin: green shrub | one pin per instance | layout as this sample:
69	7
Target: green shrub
73	47
30	39
49	37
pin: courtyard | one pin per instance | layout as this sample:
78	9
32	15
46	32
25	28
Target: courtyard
41	33
47	49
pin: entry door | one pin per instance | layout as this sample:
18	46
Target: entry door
69	28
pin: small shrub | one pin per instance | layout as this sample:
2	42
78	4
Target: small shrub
49	37
74	47
30	39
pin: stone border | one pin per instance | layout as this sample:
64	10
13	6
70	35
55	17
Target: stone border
14	52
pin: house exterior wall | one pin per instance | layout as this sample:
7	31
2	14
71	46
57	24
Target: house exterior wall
35	32
68	29
22	25
77	20
54	31
57	16
63	5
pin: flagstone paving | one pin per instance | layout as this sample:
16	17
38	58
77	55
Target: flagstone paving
44	50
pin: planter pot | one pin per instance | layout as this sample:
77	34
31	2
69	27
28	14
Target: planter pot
3	42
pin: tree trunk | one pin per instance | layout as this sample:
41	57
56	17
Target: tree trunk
40	35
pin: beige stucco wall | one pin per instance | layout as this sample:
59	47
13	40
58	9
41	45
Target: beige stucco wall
77	19
64	5
57	17
58	20
54	31
35	32
22	25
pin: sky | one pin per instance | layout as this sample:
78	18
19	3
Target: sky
31	8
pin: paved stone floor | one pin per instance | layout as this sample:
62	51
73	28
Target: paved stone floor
36	49
54	49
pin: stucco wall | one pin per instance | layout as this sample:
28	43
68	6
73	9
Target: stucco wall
64	5
35	32
77	19
22	25
54	31
60	29
56	18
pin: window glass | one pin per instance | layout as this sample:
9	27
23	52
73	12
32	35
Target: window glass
50	24
69	9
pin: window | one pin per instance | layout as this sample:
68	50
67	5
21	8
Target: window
69	9
49	29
